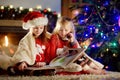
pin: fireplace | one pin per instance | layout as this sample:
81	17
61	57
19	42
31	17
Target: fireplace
10	34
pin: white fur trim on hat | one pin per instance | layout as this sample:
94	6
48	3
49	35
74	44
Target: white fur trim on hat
35	22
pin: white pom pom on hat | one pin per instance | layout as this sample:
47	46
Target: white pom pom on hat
33	19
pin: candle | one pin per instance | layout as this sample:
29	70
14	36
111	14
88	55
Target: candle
6	41
8	48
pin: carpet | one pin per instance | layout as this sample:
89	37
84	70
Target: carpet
108	76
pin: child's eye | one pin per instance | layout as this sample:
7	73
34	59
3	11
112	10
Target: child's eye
35	28
61	30
66	30
41	28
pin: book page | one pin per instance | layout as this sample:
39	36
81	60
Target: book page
72	54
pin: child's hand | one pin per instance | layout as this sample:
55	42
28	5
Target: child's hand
71	37
40	64
22	66
62	51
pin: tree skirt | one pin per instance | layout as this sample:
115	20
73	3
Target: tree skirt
108	76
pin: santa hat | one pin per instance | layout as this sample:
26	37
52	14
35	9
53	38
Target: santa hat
33	19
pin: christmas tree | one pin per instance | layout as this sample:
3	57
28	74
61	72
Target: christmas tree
99	20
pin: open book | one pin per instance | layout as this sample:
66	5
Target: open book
71	55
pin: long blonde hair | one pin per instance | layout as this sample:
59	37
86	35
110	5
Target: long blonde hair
64	22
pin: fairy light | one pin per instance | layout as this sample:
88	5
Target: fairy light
21	8
11	6
96	30
107	49
113	29
49	9
114	55
93	46
30	9
39	7
75	12
2	7
106	67
59	15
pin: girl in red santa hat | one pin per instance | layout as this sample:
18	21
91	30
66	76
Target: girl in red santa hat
63	37
34	46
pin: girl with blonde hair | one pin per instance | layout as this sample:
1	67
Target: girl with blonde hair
63	37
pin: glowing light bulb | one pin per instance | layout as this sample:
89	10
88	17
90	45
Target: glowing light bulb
2	7
59	15
39	7
21	8
49	9
107	49
11	6
30	9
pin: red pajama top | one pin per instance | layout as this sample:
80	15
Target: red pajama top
43	50
56	42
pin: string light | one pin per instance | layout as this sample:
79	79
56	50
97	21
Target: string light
75	12
114	55
105	19
21	8
39	7
107	49
93	46
59	15
49	9
106	67
96	30
30	9
2	7
11	6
